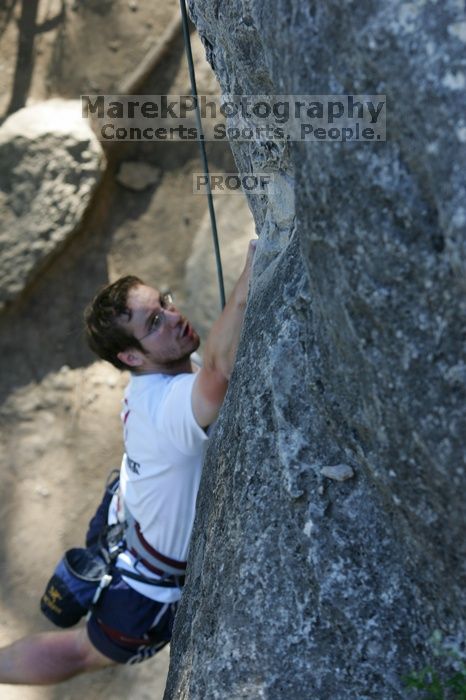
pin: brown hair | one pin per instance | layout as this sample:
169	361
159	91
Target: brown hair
105	336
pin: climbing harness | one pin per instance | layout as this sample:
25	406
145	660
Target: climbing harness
202	149
84	573
146	554
127	536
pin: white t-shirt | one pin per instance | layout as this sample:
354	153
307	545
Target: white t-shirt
161	469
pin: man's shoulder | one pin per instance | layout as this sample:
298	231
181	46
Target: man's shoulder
140	383
152	391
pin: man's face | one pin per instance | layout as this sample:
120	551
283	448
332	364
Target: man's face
166	336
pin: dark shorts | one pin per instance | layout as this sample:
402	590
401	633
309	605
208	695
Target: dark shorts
124	625
128	627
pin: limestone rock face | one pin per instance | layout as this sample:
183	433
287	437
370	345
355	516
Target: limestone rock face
302	585
50	163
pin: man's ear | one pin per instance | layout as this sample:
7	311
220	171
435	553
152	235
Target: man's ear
131	357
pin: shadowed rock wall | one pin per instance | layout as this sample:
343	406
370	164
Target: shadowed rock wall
352	353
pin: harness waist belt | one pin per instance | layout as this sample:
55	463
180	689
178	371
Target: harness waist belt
155	561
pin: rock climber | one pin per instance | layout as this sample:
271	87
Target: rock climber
129	578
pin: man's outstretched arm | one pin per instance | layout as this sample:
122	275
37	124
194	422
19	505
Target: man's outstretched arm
219	356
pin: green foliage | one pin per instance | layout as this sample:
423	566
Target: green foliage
458	683
427	680
435	686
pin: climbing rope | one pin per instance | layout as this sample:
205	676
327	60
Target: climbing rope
202	149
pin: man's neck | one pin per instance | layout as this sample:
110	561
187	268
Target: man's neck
184	367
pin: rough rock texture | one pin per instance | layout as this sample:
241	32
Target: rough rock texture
302	586
50	163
